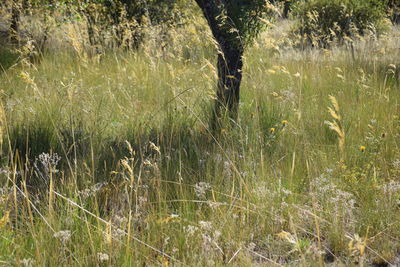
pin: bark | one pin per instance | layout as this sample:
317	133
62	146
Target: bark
90	29
26	6
15	20
90	23
230	64
286	9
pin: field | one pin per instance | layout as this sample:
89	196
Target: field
107	158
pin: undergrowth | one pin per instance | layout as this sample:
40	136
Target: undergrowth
109	159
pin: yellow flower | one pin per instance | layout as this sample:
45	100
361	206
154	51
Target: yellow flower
283	235
362	148
284	122
272	130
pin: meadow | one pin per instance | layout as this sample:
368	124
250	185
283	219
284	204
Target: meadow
107	159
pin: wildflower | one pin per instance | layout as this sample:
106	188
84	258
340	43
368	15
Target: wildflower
362	148
392	187
190	230
228	168
119	220
286	236
284	123
46	164
27	262
102	257
272	130
396	163
283	235
201	188
64	236
91	191
205	225
297	75
118	234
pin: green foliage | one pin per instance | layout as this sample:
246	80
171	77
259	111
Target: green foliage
245	16
7	59
242	19
128	18
324	21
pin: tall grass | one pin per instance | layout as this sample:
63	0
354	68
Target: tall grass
110	160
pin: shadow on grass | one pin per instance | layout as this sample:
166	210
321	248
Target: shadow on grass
179	148
8	58
171	146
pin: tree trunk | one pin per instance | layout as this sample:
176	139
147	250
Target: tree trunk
286	9
26	6
230	64
15	19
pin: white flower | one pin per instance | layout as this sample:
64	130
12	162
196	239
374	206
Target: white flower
391	187
205	225
190	230
396	163
27	262
119	220
102	257
201	188
64	235
228	168
46	164
118	234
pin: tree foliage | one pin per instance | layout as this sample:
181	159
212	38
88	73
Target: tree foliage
324	21
237	21
125	19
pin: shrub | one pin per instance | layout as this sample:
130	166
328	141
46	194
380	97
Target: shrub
127	19
325	21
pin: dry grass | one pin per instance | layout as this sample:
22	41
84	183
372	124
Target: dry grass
108	159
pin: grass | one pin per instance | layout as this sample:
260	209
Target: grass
110	161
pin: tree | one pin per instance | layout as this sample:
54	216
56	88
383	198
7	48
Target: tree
234	24
394	7
126	19
287	6
15	20
326	22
